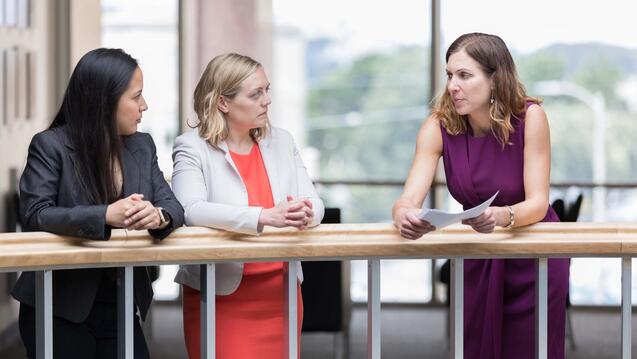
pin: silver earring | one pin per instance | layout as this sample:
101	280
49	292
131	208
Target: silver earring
492	100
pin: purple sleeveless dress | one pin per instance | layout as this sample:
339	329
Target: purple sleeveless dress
499	294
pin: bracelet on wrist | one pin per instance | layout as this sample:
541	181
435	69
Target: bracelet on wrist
511	217
164	217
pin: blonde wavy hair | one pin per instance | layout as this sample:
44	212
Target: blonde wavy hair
222	78
509	95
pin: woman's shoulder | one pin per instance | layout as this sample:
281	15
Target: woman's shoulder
437	124
534	109
279	137
139	141
433	120
190	143
431	133
535	120
192	134
433	127
190	138
278	133
531	109
52	138
140	137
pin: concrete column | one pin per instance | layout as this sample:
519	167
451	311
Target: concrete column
213	27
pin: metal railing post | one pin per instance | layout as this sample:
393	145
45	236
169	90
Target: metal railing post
125	308
541	308
291	317
626	307
373	309
44	314
207	310
456	309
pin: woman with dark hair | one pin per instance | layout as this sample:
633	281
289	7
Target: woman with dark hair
492	137
89	172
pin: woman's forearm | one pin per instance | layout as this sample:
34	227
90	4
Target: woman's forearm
527	212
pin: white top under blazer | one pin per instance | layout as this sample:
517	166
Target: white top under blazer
207	183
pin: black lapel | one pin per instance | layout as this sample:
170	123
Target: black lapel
65	137
131	171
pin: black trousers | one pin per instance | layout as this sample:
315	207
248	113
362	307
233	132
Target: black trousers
94	338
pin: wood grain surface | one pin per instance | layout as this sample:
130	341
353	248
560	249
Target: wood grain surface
37	250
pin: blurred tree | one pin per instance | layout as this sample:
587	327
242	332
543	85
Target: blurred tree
571	126
622	153
364	117
601	75
540	66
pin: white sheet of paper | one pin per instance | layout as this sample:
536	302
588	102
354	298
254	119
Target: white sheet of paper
441	219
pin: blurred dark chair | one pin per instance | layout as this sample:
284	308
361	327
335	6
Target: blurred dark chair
12	204
326	296
568	208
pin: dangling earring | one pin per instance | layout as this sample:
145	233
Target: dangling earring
492	100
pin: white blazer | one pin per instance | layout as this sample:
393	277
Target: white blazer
209	186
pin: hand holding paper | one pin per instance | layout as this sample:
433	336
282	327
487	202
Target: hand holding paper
441	219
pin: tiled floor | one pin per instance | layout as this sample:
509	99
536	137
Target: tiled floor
407	332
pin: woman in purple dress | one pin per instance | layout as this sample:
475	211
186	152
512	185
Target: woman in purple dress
492	137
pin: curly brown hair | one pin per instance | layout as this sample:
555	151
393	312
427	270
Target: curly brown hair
509	95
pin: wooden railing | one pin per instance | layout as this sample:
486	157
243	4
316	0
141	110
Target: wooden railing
43	253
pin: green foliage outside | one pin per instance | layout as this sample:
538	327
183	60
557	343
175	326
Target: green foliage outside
364	118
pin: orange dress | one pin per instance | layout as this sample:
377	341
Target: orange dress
250	321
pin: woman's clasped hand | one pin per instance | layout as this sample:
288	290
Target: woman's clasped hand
133	213
291	212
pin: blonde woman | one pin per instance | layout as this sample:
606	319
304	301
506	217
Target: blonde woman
492	137
237	173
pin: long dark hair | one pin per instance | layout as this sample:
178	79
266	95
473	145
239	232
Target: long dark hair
89	110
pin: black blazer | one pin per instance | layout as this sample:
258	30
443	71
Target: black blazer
51	200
